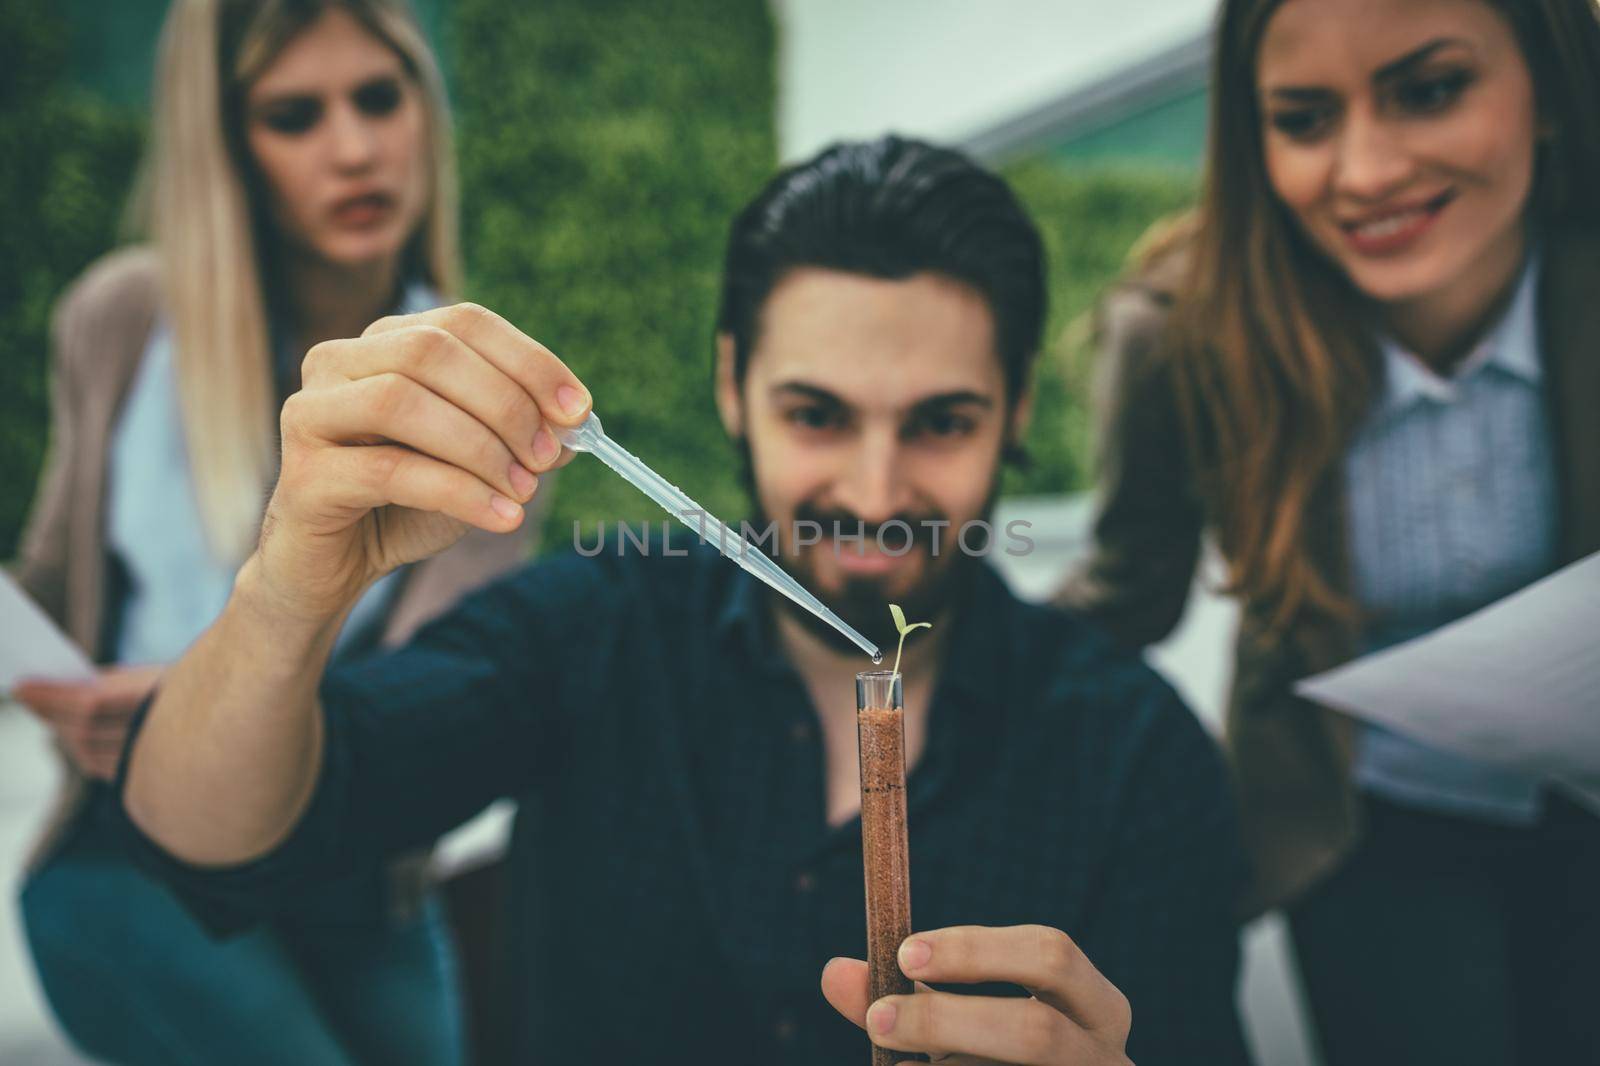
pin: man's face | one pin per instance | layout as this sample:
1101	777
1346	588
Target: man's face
868	402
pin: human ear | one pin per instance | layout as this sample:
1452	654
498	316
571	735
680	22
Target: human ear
1021	417
729	407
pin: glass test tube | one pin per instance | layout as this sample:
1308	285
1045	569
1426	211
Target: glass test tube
881	742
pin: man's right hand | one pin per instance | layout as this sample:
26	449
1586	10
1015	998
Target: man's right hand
395	443
400	439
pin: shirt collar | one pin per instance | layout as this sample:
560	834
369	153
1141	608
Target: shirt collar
418	296
740	617
1512	345
975	652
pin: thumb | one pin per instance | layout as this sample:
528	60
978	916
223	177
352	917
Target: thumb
51	700
128	686
844	986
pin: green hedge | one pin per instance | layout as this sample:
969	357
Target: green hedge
65	160
600	171
605	146
1089	218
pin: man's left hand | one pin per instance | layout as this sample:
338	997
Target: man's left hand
1074	1016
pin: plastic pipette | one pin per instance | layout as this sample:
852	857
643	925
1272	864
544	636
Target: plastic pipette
590	436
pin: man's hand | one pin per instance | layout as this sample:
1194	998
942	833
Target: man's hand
90	718
398	441
1075	1016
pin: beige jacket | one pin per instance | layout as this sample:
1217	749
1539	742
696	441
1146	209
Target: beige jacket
1291	759
100	330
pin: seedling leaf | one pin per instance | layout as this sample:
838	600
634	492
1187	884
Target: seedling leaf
903	628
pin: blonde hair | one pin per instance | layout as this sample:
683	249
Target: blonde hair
194	200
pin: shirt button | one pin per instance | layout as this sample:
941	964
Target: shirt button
785	1030
800	732
805	882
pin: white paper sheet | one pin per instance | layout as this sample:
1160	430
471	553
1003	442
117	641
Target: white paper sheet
1517	683
30	643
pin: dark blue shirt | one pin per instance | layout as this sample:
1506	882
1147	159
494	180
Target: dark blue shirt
675	886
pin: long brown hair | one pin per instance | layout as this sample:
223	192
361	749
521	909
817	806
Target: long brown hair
194	199
1272	359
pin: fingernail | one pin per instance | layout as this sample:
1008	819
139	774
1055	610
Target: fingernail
914	955
522	479
880	1017
545	446
571	400
503	507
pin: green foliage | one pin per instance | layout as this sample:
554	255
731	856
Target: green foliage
605	147
65	162
903	627
1089	219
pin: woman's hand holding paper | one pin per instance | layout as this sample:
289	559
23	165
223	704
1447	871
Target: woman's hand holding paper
90	718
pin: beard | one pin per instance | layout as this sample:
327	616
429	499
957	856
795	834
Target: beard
863	601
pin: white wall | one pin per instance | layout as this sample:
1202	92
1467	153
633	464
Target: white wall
945	69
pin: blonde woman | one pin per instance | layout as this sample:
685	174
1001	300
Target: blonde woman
299	186
1370	367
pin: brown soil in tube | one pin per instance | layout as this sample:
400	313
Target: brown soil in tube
880	735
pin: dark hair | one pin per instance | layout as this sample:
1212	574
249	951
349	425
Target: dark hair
1560	41
890	208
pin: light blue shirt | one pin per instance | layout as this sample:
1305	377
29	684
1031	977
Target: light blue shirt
1453	504
175	586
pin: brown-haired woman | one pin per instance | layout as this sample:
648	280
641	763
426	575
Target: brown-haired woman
299	185
1368	365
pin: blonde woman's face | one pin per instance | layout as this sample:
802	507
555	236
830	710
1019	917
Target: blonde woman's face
336	128
1400	135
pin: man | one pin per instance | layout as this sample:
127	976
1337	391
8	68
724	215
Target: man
682	743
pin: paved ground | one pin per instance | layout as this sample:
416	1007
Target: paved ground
27	775
1194	660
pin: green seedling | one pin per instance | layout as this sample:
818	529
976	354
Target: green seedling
901	625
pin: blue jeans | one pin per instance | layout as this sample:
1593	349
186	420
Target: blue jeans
134	979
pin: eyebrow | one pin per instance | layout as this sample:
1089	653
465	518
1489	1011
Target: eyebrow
1388	72
1413	58
953	398
288	96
